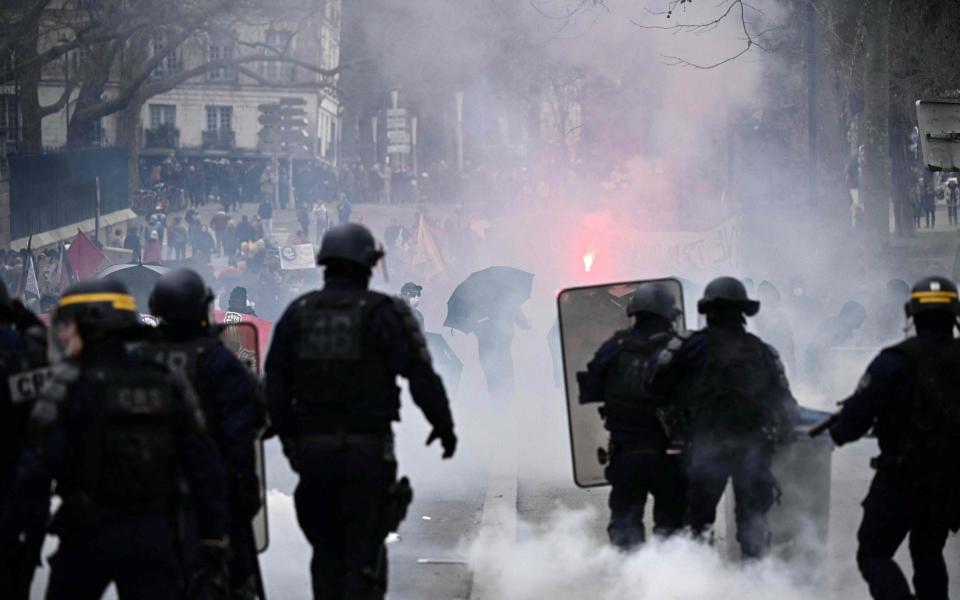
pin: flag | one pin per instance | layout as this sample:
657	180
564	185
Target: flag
63	276
30	285
83	258
25	268
426	256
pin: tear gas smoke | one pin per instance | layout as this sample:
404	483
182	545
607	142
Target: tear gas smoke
566	560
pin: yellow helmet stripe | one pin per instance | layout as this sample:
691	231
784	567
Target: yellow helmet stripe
939	297
119	301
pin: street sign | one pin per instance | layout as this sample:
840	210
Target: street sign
292	101
265	108
269	119
396	112
396	122
398	149
292	112
398	136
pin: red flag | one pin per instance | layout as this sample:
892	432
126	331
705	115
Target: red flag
83	257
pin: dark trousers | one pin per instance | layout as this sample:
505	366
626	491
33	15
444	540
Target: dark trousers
886	523
754	489
339	500
930	214
952	213
496	361
243	559
137	553
634	473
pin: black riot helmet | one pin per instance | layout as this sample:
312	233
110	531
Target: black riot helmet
350	242
181	295
933	294
655	299
99	307
727	293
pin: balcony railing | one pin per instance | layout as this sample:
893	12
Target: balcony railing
164	136
219	139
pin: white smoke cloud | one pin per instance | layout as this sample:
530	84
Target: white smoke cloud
564	559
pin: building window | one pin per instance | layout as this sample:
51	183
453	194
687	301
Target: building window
220	50
7	58
279	42
9	117
219	118
171	62
163	114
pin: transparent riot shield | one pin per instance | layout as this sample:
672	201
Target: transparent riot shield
589	316
243	340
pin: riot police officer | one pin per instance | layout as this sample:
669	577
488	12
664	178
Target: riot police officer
23	368
908	397
639	462
229	399
331	392
114	433
735	404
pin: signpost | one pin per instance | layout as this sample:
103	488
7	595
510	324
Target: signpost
284	132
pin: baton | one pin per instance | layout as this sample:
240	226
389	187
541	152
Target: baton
823	425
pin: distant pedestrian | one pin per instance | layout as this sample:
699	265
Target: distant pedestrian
930	206
179	238
245	231
218	223
344	209
132	243
265	212
303	219
953	196
153	252
238	302
203	244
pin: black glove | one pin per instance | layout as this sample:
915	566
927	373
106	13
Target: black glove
447	439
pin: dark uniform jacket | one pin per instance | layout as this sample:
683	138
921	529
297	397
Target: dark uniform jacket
71	415
301	374
638	420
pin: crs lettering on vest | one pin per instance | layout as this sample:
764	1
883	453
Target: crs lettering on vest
331	334
137	400
26	386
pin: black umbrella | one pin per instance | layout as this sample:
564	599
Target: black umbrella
139	280
487	294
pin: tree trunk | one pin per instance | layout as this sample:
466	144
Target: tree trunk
80	130
875	174
903	175
30	120
129	134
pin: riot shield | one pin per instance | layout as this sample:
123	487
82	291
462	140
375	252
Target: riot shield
445	360
588	317
243	340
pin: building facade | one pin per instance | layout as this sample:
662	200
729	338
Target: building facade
216	113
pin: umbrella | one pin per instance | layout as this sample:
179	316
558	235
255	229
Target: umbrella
485	294
139	279
445	360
